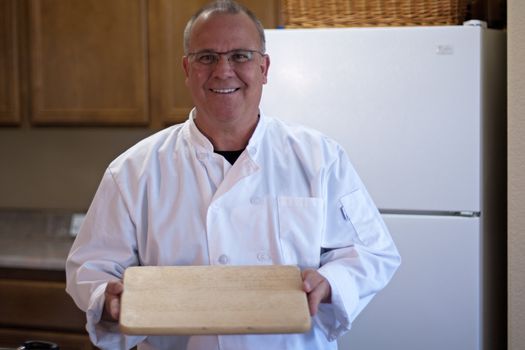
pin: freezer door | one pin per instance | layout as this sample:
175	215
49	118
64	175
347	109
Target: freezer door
404	102
433	301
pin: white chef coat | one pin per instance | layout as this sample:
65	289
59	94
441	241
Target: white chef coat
292	197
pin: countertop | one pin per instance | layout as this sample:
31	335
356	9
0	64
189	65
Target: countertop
34	239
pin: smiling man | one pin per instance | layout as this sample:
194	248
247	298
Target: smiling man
231	186
225	70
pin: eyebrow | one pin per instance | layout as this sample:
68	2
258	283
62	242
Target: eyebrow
214	51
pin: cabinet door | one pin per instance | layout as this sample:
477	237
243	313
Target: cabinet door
88	60
170	99
268	12
39	305
9	92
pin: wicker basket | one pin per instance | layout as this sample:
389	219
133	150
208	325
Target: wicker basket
363	13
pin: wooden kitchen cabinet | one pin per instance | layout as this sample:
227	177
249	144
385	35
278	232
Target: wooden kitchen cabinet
119	62
34	305
89	62
170	100
98	62
9	56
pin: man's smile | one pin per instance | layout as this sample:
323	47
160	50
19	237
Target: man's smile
224	91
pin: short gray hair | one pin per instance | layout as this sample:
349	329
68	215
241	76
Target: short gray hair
223	6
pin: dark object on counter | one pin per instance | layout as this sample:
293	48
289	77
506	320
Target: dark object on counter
38	345
35	345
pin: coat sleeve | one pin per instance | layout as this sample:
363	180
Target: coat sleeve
104	248
359	256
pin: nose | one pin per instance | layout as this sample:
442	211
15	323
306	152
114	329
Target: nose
223	68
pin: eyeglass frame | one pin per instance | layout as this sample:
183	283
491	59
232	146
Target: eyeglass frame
217	56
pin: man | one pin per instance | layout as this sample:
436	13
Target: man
232	186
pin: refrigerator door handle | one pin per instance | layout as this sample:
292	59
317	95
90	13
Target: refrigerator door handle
461	213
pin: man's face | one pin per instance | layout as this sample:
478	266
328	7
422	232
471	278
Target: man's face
226	91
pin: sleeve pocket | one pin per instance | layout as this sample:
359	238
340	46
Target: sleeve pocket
363	216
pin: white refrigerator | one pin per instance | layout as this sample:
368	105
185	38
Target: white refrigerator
421	113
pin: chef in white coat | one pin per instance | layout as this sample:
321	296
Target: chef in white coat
232	186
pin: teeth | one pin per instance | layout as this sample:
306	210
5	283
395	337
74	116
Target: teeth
223	91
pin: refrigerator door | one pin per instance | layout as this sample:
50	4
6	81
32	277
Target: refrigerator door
404	102
433	301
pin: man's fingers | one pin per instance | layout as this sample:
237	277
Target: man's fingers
317	296
114	287
317	289
114	308
112	294
311	279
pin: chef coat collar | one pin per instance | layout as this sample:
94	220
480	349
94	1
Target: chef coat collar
202	144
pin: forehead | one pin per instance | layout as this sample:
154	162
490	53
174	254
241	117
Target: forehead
224	31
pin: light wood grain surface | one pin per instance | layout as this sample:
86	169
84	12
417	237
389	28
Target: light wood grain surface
213	300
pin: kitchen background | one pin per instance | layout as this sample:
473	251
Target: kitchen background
71	101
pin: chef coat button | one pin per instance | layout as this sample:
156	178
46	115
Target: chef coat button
202	155
252	151
223	259
256	200
263	256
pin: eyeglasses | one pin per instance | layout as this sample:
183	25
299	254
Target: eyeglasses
210	58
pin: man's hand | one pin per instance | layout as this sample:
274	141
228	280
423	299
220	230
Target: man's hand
317	289
112	295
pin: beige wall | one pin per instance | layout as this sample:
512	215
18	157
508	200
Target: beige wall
516	184
57	168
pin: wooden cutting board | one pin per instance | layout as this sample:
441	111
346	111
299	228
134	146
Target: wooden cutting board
186	300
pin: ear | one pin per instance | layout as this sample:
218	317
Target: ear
265	65
186	67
